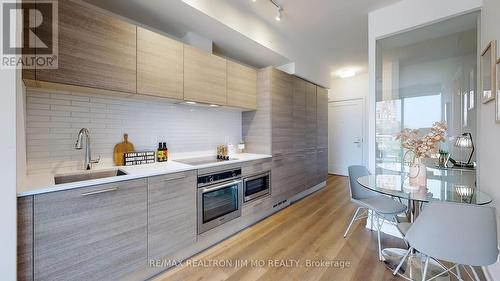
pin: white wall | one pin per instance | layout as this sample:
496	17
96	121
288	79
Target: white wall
399	17
54	119
355	87
489	131
8	172
347	89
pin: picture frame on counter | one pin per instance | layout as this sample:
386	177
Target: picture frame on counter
497	110
488	69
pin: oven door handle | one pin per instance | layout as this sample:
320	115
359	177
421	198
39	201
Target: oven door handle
221	186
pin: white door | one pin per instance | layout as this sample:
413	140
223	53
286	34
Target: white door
345	135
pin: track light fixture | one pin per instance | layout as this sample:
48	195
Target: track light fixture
278	6
278	16
280	10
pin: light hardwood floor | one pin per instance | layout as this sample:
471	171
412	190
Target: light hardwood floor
310	229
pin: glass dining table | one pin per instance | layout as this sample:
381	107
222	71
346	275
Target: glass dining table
448	185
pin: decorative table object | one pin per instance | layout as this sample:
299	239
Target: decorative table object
418	149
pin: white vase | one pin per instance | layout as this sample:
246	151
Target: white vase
418	174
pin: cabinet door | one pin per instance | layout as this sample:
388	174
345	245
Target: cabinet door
241	86
311	116
299	114
282	112
204	77
322	118
25	238
160	66
310	168
280	180
321	165
172	213
92	233
95	50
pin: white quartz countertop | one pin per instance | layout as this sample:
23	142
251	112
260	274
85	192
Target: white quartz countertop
44	183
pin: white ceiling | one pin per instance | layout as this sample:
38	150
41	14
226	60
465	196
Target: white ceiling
320	36
335	31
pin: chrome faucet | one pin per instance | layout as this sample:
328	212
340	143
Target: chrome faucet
88	156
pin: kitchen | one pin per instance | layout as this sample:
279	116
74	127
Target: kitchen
243	143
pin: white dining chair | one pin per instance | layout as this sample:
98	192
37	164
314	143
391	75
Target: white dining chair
462	234
383	208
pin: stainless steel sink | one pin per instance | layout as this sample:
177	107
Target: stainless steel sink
87	175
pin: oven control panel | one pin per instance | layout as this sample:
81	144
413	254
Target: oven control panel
208	179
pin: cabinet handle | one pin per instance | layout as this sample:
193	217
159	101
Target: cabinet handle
100	191
175	178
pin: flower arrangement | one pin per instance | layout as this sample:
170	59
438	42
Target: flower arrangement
428	144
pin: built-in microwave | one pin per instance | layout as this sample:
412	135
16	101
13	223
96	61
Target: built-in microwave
256	186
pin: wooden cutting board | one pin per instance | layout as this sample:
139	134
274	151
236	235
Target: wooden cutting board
121	149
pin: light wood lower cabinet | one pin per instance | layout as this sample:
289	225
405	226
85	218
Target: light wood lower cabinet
287	176
204	77
321	165
160	65
241	86
25	238
281	183
92	233
311	167
172	213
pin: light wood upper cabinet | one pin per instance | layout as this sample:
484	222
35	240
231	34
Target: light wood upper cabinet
160	67
95	50
92	233
322	117
204	77
241	86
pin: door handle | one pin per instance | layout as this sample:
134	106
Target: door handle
100	191
357	142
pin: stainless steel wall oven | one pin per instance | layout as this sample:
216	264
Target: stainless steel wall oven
219	198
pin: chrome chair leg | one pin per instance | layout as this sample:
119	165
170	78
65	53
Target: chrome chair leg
371	215
424	273
379	226
476	277
352	220
459	275
402	261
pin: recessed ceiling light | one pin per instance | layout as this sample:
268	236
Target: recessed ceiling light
214	105
190	102
254	1
347	73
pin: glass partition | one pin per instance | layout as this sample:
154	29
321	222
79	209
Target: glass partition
424	76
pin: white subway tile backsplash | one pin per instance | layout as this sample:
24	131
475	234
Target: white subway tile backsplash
54	119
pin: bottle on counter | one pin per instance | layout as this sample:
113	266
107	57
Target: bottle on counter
160	152
165	152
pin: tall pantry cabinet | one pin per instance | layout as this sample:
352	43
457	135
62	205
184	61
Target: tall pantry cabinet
290	123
